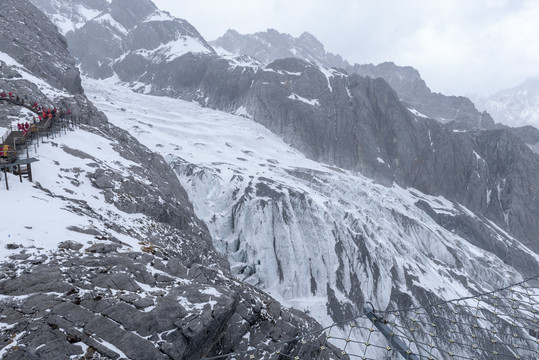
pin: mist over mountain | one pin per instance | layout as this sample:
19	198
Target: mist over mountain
517	106
204	180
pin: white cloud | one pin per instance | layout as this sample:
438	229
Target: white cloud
459	46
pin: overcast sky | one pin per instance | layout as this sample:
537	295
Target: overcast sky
460	47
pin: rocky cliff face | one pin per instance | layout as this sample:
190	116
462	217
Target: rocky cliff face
35	42
103	257
121	34
405	80
411	88
377	135
457	112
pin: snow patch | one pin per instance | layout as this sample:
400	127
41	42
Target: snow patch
107	19
312	102
417	113
242	111
174	49
159	16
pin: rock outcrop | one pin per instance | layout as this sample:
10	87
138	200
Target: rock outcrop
108	304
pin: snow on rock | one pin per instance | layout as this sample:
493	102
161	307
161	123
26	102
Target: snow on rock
159	16
312	102
417	113
174	49
109	20
48	90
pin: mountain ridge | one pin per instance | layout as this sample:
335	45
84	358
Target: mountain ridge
321	237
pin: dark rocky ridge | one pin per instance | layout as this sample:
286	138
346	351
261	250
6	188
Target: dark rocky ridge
459	111
405	80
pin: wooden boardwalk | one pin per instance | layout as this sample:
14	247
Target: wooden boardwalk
15	140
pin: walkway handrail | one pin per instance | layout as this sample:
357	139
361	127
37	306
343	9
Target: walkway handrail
6	134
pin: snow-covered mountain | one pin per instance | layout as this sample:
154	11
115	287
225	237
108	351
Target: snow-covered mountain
187	207
349	121
102	255
518	106
108	36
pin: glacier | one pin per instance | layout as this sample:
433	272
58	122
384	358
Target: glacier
316	237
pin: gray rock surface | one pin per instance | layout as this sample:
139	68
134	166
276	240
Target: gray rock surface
80	304
35	42
405	80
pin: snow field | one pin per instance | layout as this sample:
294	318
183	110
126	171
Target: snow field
40	215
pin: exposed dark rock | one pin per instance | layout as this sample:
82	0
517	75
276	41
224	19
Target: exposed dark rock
35	42
126	323
70	245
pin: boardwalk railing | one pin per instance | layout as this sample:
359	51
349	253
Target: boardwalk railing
4	137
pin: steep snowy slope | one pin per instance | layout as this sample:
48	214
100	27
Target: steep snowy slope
320	238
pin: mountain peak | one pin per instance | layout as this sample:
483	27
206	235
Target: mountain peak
131	12
272	45
308	37
517	106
